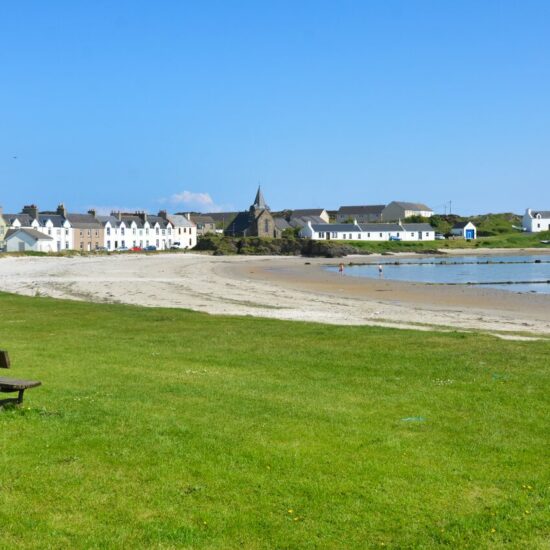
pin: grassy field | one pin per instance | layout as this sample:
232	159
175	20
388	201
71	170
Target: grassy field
164	428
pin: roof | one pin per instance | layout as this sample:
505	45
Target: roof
115	222
83	221
542	213
381	227
240	224
36	235
177	220
460	225
56	219
307	212
412	206
24	219
223	217
158	219
201	218
339	227
259	201
362	209
417	227
302	220
281	224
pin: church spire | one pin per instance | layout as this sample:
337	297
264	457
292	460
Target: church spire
259	201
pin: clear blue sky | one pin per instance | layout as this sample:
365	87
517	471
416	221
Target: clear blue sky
140	104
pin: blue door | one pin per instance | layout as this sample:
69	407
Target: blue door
470	234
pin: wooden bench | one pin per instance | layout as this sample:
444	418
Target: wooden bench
11	385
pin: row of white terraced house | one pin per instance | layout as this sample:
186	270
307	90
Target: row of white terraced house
59	230
368	231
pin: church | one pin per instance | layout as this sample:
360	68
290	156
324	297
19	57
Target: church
257	221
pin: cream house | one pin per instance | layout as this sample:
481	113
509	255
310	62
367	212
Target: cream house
398	210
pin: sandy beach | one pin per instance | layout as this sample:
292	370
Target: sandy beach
292	288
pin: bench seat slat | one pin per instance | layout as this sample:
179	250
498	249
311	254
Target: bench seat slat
12	384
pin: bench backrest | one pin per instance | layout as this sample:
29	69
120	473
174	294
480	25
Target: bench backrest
4	359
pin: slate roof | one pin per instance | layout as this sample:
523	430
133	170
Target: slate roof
417	227
129	218
362	209
259	201
56	219
240	224
281	224
83	221
157	219
460	225
302	220
381	227
115	222
202	219
412	205
25	219
306	212
339	227
543	213
36	235
177	220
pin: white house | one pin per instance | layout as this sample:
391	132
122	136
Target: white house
26	239
184	231
536	221
466	230
398	210
369	232
56	227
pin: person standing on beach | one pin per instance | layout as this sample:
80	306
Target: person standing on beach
380	270
341	268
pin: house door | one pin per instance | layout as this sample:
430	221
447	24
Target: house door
469	233
328	236
420	235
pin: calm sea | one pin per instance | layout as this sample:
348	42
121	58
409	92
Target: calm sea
513	273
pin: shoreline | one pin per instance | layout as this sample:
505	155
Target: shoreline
290	288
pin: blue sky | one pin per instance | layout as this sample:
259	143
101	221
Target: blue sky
189	105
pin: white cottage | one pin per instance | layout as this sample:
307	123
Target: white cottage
26	240
535	221
368	232
466	230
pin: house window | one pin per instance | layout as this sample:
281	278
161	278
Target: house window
163	232
321	235
81	246
66	232
67	246
89	232
122	230
358	235
81	233
134	231
427	233
380	234
157	232
108	232
109	244
49	231
334	235
368	235
266	226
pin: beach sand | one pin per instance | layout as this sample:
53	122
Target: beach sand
292	288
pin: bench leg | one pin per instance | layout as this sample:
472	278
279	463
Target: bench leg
20	397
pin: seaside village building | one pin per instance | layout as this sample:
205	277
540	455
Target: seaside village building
368	232
256	222
466	230
535	221
63	230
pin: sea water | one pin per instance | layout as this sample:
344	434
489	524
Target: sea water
514	273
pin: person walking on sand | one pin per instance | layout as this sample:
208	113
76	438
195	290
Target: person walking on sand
341	268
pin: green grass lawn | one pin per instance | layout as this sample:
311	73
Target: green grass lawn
159	428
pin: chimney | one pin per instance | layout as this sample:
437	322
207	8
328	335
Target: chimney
117	215
31	210
92	212
188	216
61	210
163	214
142	215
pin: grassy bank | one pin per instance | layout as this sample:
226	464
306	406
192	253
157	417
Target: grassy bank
167	429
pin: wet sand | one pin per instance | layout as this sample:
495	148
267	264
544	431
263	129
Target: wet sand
277	287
